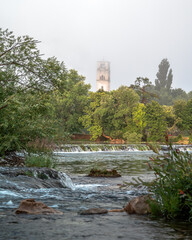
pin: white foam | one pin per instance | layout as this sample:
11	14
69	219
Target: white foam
87	187
9	193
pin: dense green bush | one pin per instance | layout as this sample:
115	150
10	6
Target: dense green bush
172	187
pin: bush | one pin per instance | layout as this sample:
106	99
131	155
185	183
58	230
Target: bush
132	137
40	161
172	187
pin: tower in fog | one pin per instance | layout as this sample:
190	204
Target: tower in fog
103	75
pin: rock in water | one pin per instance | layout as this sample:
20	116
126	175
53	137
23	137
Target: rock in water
93	211
103	173
30	206
138	205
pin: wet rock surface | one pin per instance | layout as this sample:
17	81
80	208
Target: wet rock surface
92	211
30	206
30	172
12	159
138	205
25	177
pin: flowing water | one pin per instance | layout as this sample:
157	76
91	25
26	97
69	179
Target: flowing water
70	191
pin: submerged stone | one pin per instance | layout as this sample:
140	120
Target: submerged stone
30	206
93	211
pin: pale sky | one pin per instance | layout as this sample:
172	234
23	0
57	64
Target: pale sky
133	35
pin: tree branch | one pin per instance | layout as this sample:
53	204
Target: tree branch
3	106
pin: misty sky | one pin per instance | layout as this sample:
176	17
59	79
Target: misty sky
134	35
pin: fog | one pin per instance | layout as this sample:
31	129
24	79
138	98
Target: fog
134	35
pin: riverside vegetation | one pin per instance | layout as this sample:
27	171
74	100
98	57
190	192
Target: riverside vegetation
42	100
172	188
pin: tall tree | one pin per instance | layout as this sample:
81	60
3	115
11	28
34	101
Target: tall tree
164	76
38	98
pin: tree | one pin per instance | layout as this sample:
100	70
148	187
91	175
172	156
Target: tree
189	95
164	76
27	117
187	116
38	98
155	122
21	59
178	94
69	103
142	87
92	118
110	113
179	111
139	118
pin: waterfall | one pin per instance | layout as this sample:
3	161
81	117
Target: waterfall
73	148
66	181
100	148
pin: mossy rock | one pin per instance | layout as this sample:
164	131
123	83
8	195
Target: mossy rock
103	173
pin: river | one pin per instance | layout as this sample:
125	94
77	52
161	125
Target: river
75	191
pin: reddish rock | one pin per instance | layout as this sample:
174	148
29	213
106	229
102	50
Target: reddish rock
30	206
94	211
138	205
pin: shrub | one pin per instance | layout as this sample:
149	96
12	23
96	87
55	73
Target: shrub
172	186
132	137
40	161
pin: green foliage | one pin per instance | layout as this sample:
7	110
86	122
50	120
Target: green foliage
172	187
190	139
110	113
39	99
40	161
142	87
23	120
187	116
155	122
179	94
69	104
29	173
164	76
139	118
132	137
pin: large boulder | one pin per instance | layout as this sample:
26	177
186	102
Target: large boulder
138	205
30	206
